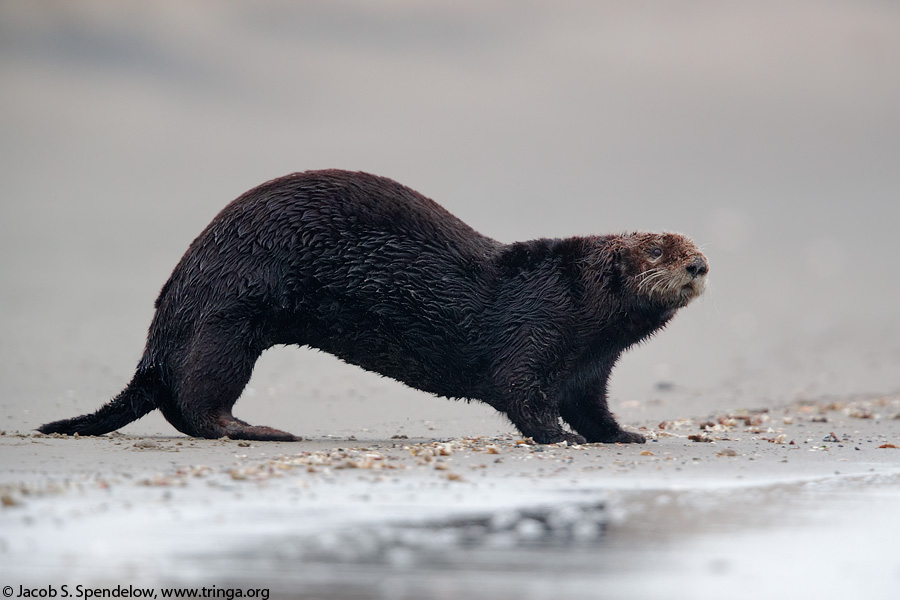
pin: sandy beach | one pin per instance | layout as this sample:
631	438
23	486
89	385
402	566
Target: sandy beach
804	494
768	133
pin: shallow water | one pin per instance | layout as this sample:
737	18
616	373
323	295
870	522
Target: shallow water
734	543
794	538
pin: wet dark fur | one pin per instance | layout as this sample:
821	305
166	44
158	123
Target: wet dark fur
384	278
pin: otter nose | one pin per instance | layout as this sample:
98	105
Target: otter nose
698	267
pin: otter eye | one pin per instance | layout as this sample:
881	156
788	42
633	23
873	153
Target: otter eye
656	252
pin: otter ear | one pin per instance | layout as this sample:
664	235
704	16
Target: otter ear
622	254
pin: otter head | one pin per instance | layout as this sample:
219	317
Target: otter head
665	269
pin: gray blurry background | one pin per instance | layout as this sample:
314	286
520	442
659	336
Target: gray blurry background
768	131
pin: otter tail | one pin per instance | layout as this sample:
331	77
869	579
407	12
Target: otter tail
131	404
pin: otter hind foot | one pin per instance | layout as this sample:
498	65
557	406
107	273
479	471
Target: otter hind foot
629	437
554	437
236	429
620	437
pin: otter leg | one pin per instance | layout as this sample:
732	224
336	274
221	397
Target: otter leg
539	420
215	371
583	406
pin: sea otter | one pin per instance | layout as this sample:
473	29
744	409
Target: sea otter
384	278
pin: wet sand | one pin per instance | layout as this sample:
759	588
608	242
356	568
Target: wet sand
768	133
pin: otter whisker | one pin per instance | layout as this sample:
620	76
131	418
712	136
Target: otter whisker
650	274
652	271
642	285
656	288
662	284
